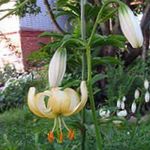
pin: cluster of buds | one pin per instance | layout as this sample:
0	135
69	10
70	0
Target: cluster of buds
104	113
147	94
121	112
61	102
136	97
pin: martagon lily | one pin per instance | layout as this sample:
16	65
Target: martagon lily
61	102
130	26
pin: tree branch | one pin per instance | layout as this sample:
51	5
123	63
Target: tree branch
50	13
146	29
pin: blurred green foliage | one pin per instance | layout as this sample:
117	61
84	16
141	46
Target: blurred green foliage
22	130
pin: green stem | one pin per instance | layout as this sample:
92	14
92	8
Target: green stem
89	67
90	89
98	18
83	36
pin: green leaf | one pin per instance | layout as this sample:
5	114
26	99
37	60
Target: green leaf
98	77
91	11
74	9
108	15
51	34
61	3
105	60
69	40
71	83
114	40
98	40
96	91
66	13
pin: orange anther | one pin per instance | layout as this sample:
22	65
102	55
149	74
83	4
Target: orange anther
61	137
50	137
71	134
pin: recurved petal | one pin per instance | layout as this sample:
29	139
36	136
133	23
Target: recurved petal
31	102
84	97
41	105
74	99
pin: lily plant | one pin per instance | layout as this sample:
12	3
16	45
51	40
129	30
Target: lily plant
61	102
66	102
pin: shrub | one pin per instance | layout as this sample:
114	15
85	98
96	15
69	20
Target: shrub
14	87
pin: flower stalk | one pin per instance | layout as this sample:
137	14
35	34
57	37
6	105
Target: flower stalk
89	80
83	36
91	98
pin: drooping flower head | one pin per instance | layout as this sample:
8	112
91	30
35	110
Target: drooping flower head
136	94
133	107
61	102
122	113
147	97
146	84
130	26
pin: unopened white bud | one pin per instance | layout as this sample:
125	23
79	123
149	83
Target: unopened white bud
104	113
133	107
146	84
147	97
130	26
118	104
122	113
57	67
124	99
136	94
122	106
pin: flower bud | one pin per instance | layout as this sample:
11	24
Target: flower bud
124	99
146	84
104	113
122	106
147	97
118	104
57	67
122	113
130	26
133	107
136	94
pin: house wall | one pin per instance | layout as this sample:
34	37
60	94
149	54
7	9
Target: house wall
30	43
10	45
19	36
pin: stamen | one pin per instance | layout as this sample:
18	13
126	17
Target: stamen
65	125
61	137
54	126
61	134
50	137
51	134
71	134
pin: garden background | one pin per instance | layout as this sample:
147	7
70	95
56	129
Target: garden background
118	72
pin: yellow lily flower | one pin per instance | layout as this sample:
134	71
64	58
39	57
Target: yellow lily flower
61	102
